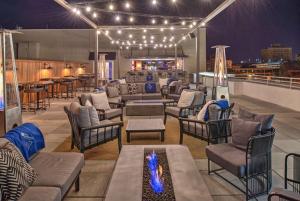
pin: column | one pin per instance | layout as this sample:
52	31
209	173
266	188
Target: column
96	57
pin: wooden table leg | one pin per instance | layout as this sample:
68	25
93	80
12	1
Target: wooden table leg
162	136
128	137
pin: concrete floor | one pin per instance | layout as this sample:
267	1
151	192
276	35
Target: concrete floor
96	174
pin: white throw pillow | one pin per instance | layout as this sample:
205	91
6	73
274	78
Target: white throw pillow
122	81
163	82
202	112
186	98
100	101
88	103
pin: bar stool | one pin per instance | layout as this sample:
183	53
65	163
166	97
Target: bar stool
66	89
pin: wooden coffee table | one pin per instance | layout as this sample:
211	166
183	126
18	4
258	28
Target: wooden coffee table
145	126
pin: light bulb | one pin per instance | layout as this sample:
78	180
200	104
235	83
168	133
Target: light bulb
111	7
183	23
119	31
154	2
131	19
130	36
144	37
153	21
95	15
118	18
127	5
172	28
161	29
166	22
145	30
88	9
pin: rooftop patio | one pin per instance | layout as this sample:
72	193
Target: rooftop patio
120	107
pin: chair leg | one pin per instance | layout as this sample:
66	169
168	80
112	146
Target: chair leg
181	138
165	118
120	140
77	183
208	167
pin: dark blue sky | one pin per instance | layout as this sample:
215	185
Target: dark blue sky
247	26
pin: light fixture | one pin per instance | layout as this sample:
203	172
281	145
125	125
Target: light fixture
111	7
134	42
145	41
112	42
118	18
153	21
183	23
173	1
127	5
130	35
127	47
172	28
203	24
144	37
88	9
117	42
98	32
145	30
162	29
106	32
141	47
183	37
194	23
95	15
191	26
166	22
131	19
151	41
119	31
78	12
154	2
152	37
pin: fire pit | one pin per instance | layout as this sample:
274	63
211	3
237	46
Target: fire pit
157	180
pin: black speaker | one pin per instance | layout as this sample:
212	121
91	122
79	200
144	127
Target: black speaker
192	35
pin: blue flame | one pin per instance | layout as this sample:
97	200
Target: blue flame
155	180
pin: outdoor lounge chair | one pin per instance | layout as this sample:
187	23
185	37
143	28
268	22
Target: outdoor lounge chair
291	191
177	112
218	126
251	165
115	111
86	138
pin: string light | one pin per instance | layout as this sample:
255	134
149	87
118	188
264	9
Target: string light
153	21
95	15
173	1
118	18
119	31
127	5
111	7
166	22
183	23
98	32
106	32
162	29
131	19
203	24
172	28
154	2
130	36
144	37
145	30
88	9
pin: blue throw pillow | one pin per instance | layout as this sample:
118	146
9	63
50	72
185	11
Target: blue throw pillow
150	87
149	78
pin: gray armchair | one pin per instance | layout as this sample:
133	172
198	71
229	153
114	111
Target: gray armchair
116	110
291	191
86	138
217	126
251	165
177	112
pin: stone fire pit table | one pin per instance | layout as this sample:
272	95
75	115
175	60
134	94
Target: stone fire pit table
127	180
144	126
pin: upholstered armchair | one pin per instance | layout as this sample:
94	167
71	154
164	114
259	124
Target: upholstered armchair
291	191
247	156
109	111
184	109
216	127
175	89
88	131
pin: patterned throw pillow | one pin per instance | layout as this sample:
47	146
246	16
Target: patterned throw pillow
15	173
132	88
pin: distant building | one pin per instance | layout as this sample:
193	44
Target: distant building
211	63
298	57
276	53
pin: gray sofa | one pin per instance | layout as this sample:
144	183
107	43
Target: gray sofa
57	172
141	93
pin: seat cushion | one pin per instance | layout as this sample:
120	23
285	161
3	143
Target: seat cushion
103	133
242	131
57	169
151	96
229	157
113	113
186	98
174	111
198	130
40	193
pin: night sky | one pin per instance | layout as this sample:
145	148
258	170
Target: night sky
247	26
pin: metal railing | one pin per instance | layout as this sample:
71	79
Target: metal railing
287	82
